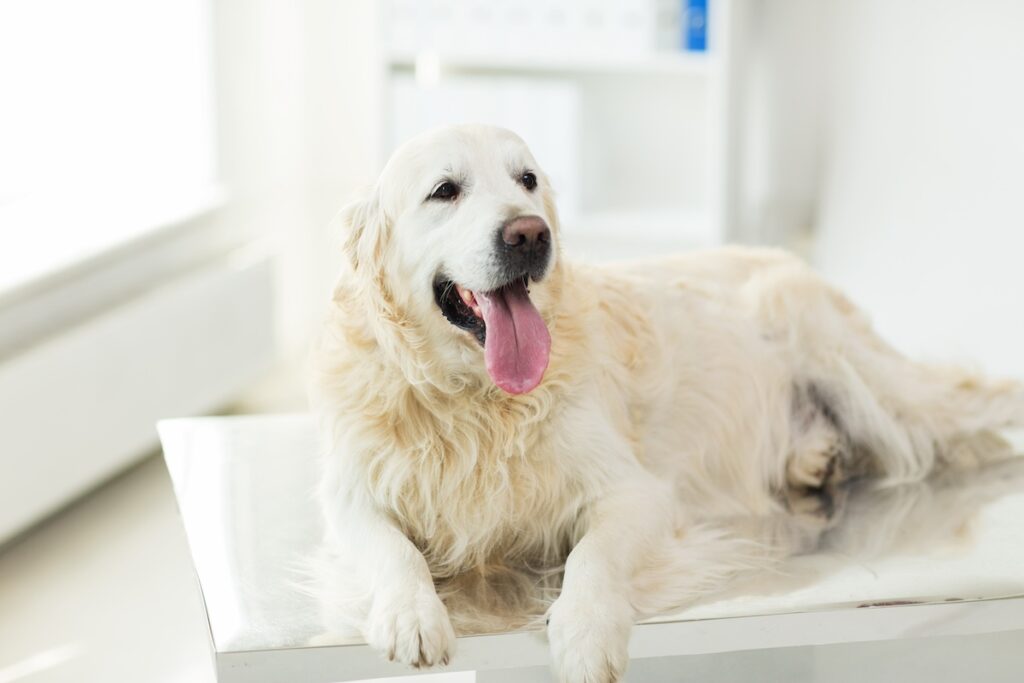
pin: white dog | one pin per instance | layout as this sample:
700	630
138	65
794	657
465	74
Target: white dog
490	405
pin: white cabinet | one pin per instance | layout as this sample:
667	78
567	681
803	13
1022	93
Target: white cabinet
82	404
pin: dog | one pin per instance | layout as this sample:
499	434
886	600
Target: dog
488	404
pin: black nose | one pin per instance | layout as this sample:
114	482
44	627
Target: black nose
524	244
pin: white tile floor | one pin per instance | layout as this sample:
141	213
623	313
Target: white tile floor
104	592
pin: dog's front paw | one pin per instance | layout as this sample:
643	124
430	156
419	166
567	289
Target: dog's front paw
590	638
411	627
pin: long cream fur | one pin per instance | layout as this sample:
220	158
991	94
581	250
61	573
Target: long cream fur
676	399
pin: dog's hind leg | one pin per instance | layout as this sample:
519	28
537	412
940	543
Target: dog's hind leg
908	416
943	414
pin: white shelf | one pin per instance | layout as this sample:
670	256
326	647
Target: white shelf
668	63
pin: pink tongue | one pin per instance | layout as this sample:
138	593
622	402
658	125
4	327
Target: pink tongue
517	345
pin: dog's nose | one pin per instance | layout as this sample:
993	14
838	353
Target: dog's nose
526	232
524	247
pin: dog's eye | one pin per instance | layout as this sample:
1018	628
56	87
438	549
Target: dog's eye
446	191
529	180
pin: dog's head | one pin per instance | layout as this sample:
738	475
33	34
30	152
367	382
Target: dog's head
460	235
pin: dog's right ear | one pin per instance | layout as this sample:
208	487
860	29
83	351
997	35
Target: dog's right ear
363	225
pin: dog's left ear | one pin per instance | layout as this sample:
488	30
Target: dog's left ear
363	227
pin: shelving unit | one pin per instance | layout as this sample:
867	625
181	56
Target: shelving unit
694	64
635	140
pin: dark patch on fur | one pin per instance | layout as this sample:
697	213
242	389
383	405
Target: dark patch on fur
826	493
811	399
821	401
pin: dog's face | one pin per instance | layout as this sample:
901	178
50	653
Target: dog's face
467	237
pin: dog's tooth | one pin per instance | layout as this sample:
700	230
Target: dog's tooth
467	296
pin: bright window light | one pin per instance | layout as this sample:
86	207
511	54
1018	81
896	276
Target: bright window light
105	111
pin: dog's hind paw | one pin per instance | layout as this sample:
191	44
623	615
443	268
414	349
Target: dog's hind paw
816	463
815	473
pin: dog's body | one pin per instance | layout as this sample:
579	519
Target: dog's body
716	385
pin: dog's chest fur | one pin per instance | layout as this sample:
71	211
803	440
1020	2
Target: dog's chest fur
479	487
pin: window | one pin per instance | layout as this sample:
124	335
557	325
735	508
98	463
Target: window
106	126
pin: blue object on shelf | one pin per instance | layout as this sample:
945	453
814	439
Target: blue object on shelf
695	25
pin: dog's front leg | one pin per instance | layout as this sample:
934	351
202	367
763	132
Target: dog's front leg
399	611
590	623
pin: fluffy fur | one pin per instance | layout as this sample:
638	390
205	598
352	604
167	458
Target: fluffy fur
681	395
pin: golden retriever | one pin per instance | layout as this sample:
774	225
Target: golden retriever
489	404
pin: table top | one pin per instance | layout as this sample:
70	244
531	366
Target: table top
936	558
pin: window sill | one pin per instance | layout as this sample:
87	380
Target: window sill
50	282
35	255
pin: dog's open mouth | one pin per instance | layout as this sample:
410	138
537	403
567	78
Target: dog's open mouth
506	323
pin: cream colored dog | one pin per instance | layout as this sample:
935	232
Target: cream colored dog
490	405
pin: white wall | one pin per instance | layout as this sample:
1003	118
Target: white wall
779	82
298	130
921	207
892	125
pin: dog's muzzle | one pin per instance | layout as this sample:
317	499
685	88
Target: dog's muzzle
503	318
523	248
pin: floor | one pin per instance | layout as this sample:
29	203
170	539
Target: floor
104	592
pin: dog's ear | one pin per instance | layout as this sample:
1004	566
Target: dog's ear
363	226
